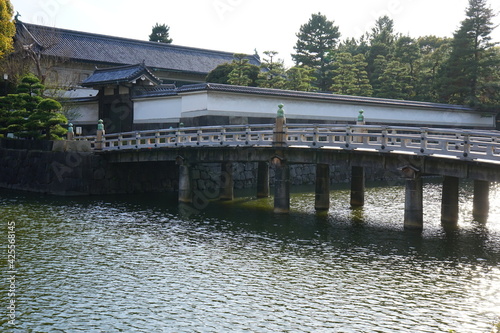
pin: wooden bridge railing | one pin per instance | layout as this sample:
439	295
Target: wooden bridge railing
451	143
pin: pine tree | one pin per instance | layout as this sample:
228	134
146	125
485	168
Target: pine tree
239	76
381	40
344	77
316	39
392	79
463	78
160	33
299	78
272	74
433	53
238	72
350	76
363	86
45	122
28	115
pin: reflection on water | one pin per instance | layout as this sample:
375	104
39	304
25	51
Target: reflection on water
138	264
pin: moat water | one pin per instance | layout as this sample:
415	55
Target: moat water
142	263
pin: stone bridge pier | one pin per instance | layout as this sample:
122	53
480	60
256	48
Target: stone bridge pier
413	199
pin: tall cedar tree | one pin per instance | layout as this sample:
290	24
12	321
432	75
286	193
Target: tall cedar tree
316	39
471	58
7	28
161	34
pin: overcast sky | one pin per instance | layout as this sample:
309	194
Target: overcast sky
241	26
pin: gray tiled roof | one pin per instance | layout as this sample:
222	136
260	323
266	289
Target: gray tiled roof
118	75
95	48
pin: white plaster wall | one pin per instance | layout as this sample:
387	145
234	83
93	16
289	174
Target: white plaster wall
217	103
157	110
246	105
85	113
196	101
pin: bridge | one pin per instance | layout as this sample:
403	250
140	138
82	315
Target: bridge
412	151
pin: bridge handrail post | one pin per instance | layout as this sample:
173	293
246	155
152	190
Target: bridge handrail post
137	139
198	137
467	145
99	139
279	137
157	138
120	140
383	138
222	137
348	136
423	140
70	134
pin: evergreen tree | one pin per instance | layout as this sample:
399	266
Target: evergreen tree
407	51
381	40
316	39
160	33
237	72
299	78
220	74
240	74
46	120
272	74
433	52
28	115
463	78
363	86
7	28
344	77
392	79
349	75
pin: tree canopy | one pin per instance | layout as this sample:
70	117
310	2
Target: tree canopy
316	40
29	115
470	74
7	27
382	63
160	33
239	72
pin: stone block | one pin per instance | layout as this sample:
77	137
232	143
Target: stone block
71	146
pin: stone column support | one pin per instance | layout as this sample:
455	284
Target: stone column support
481	204
263	180
414	217
357	186
322	199
227	182
449	201
281	186
185	183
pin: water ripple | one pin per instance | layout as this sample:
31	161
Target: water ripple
125	265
